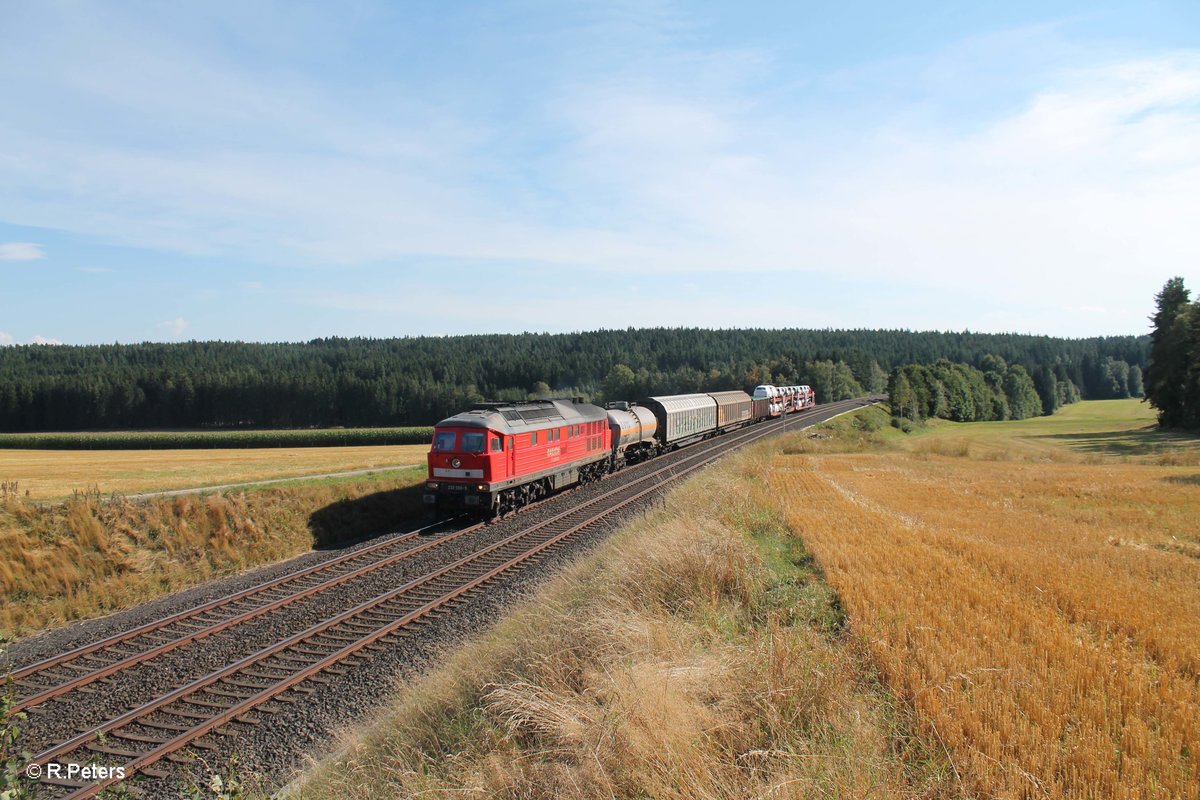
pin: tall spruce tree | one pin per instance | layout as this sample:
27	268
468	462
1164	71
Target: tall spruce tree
1166	377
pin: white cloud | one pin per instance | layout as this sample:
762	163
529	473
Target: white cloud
7	340
174	327
21	251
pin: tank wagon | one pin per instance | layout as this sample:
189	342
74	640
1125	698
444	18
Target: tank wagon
498	457
634	430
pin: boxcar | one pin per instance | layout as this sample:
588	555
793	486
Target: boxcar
683	418
734	409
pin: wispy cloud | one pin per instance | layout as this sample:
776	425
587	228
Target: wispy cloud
7	339
174	327
21	251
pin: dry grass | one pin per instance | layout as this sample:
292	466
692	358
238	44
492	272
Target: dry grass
1042	618
88	556
695	656
56	474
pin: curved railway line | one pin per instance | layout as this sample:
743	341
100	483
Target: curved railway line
148	739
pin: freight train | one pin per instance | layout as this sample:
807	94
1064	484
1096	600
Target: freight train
497	457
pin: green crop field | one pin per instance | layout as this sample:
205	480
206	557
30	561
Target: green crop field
196	440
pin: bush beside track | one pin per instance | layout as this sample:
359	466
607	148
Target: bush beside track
198	440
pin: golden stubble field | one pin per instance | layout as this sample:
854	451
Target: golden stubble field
54	474
1038	606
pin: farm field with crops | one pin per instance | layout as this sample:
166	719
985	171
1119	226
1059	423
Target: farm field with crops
54	474
188	440
1031	588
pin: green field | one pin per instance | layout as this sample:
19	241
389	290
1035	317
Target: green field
1090	430
197	440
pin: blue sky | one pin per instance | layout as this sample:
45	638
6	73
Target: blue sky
279	171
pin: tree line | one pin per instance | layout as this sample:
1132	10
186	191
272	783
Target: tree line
995	390
1173	375
420	380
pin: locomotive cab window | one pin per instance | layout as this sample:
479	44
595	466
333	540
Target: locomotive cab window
533	438
444	440
497	445
472	442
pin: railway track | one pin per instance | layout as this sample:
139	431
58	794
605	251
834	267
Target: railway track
147	739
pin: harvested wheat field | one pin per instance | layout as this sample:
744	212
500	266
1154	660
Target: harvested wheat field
55	474
1041	614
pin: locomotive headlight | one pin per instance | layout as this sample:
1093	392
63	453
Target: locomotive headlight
456	463
480	486
431	485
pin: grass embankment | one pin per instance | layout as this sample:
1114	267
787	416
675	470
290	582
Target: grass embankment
89	556
1031	589
696	654
57	474
218	439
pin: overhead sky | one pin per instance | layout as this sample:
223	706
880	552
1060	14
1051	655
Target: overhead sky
280	171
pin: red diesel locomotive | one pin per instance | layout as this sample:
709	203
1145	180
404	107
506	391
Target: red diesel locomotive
498	457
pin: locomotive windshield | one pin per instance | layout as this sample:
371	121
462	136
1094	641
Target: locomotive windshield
444	440
472	442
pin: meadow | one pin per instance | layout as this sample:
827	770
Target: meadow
60	474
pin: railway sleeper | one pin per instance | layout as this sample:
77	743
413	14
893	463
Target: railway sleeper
114	751
311	652
199	701
66	783
165	726
286	659
136	737
225	693
257	687
251	672
364	627
185	713
191	625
